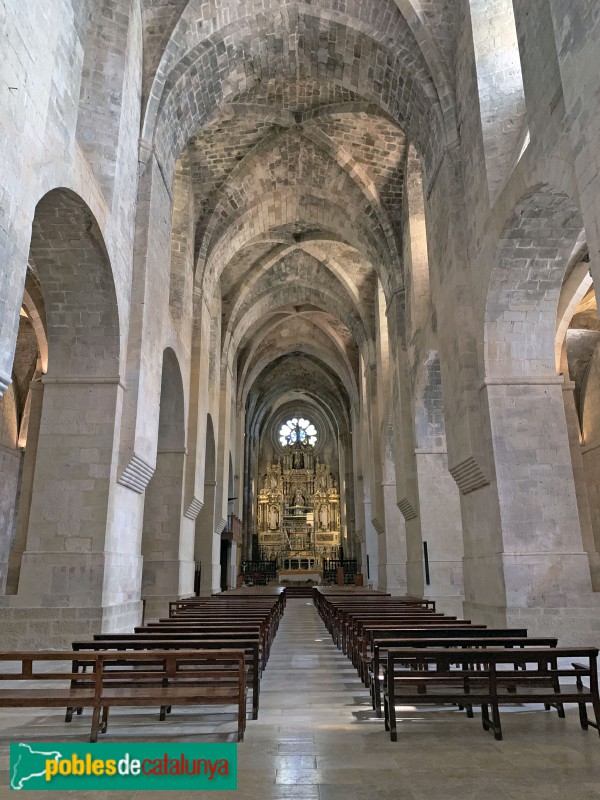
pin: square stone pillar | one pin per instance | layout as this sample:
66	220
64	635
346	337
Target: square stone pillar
64	559
371	549
441	528
24	505
415	573
232	573
208	544
62	584
161	536
392	545
10	472
581	487
542	566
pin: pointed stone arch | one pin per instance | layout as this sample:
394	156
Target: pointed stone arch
534	548
525	283
70	482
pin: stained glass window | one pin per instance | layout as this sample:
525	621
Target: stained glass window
298	429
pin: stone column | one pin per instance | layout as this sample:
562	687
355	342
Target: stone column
360	543
233	566
372	475
405	476
208	543
346	488
10	474
161	577
29	460
540	579
152	257
583	505
64	560
392	563
66	567
441	528
224	442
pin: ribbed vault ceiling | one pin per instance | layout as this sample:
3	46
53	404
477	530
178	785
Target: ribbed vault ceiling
287	127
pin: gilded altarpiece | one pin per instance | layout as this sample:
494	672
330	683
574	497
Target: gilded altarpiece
299	511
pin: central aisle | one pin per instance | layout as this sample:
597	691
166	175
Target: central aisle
306	743
309	684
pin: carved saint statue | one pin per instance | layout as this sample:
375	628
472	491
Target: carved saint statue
299	501
273	518
323	516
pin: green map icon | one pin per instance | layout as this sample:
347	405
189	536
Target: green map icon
28	763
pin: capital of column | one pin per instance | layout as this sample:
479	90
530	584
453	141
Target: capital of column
92	380
430	451
521	380
180	450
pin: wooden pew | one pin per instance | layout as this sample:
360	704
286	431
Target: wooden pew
270	619
212	630
327	602
250	592
332	612
199	631
160	678
299	592
397	618
336	615
350	620
370	631
168	678
177	641
489	678
211	622
272	608
346	618
199	619
357	620
472	639
49	667
325	596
